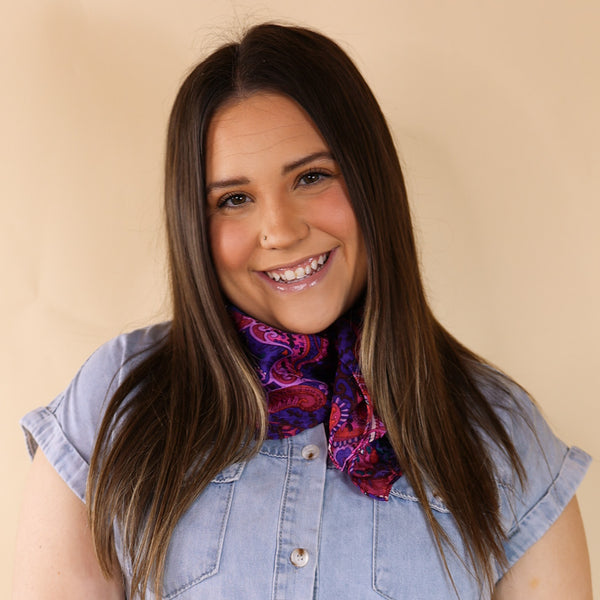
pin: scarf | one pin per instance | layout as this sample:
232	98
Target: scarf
315	378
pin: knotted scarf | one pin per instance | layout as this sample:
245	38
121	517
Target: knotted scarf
315	378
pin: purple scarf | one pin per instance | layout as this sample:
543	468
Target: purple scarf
315	378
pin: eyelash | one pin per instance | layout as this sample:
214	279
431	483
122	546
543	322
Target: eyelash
313	171
222	202
321	173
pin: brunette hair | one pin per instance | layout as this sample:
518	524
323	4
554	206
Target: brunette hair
194	405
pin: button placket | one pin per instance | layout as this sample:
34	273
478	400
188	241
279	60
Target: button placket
300	516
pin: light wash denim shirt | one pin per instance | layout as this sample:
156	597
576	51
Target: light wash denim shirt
286	525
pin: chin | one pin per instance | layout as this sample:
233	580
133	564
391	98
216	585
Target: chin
307	325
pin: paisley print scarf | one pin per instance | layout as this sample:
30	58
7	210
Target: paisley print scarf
315	378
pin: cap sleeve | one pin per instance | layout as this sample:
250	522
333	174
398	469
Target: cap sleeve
66	429
553	472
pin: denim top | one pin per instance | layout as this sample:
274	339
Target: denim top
286	525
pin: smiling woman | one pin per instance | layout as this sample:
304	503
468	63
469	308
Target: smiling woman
285	243
303	427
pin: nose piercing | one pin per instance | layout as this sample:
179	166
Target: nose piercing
264	238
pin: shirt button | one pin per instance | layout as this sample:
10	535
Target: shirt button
310	452
299	557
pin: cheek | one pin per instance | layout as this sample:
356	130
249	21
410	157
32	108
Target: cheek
343	225
337	217
230	247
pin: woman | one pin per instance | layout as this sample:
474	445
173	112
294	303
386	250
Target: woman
303	427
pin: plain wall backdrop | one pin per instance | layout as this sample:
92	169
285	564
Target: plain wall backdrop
494	108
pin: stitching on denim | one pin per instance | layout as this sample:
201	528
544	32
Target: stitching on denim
237	469
510	497
319	534
316	584
213	568
374	583
506	486
550	492
374	546
53	408
282	512
274	454
434	504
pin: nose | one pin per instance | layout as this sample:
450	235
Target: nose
282	224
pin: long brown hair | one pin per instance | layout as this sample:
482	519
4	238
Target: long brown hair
193	405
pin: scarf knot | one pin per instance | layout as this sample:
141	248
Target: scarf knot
311	379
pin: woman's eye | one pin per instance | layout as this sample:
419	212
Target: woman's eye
312	177
233	201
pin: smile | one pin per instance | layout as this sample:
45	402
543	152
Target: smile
309	267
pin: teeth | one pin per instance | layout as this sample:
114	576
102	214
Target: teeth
299	272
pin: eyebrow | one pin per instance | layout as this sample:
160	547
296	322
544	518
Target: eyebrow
306	159
226	183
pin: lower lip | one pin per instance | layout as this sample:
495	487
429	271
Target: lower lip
303	284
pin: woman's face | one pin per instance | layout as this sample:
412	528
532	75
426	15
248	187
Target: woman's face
285	243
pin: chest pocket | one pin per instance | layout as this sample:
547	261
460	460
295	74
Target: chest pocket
197	542
406	561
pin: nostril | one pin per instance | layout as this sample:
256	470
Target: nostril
283	234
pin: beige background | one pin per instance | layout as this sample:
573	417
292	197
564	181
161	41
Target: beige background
495	112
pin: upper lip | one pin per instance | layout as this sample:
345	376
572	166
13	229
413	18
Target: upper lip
297	263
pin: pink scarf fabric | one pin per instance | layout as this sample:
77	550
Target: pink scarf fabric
315	378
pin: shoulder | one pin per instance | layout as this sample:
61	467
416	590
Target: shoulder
66	429
112	361
541	451
106	368
552	470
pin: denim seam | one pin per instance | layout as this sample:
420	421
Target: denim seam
42	429
435	505
238	469
273	454
318	548
374	551
539	517
282	511
214	568
548	493
506	486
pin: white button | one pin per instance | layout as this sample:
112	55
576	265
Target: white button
299	557
310	451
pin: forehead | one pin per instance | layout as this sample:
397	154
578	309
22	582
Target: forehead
260	126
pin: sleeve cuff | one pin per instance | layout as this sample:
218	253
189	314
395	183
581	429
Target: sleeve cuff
532	526
41	429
